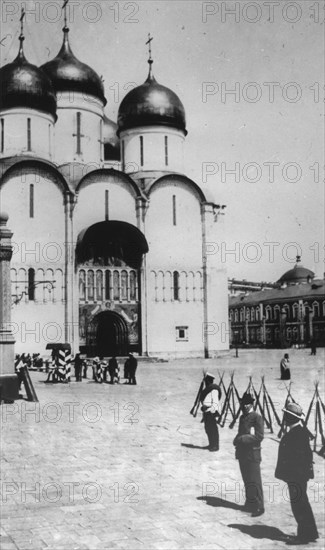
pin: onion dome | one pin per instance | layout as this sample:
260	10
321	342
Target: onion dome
68	74
25	85
151	104
298	274
111	141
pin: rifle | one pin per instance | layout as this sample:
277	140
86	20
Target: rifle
196	405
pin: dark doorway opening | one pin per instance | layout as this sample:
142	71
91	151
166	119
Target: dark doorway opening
111	335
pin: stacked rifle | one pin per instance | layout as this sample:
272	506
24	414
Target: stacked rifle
319	408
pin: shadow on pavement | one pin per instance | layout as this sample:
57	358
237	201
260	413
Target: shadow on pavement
190	446
260	531
219	502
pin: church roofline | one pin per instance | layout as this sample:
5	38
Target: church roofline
184	179
11	165
111	171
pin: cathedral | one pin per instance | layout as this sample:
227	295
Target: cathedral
113	243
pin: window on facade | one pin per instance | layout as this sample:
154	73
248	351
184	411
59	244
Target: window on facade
176	285
236	315
231	315
2	146
31	284
257	314
106	205
316	309
116	285
252	314
78	134
31	200
90	284
82	284
124	285
107	285
141	151
181	334
132	285
174	210
295	310
29	134
268	313
166	150
99	285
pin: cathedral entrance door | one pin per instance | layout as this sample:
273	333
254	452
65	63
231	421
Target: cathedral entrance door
111	335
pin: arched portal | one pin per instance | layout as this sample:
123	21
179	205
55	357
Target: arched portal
108	259
107	335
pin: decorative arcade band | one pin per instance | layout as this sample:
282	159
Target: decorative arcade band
295	457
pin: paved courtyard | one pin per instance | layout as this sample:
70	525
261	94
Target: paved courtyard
104	467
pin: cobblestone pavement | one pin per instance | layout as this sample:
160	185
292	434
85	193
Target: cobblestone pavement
105	467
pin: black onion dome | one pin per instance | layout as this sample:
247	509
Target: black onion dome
151	104
68	74
111	140
298	274
25	85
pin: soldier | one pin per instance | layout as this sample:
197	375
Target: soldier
295	467
248	452
210	398
78	367
114	370
132	368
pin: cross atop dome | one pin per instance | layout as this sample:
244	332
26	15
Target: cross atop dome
64	8
21	36
150	60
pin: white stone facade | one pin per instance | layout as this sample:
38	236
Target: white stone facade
64	201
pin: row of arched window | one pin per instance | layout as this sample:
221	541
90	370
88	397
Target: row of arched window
179	286
272	313
108	284
37	285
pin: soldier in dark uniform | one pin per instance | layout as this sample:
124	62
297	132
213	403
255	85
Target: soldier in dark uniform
133	364
248	452
210	398
295	467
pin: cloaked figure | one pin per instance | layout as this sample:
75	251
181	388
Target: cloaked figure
284	367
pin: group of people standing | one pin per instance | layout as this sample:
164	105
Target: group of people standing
102	368
294	464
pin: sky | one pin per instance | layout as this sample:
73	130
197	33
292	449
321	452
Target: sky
251	78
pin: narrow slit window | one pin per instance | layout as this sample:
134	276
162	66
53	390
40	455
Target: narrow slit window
31	200
176	285
29	134
107	285
122	153
141	151
174	210
106	205
166	150
31	284
2	135
78	134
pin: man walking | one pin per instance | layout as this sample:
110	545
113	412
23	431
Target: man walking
295	467
210	398
248	452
